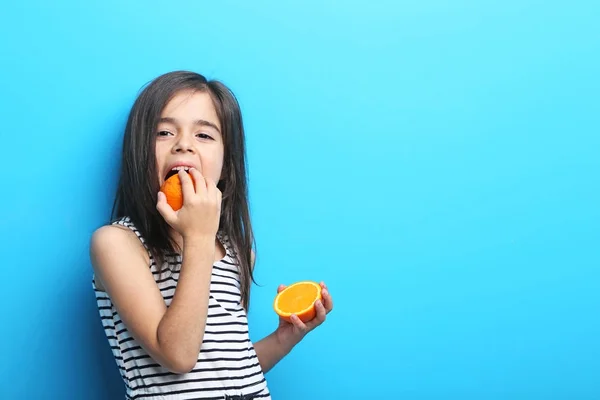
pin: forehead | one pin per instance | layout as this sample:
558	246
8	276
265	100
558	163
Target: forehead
188	106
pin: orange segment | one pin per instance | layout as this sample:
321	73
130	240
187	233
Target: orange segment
172	190
298	299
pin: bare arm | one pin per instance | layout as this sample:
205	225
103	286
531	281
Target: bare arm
278	344
270	351
172	336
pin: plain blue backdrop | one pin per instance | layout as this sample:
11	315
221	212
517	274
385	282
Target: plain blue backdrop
436	163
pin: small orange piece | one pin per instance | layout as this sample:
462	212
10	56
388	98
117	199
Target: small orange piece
298	298
172	190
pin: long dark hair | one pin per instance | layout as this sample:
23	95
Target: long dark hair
138	184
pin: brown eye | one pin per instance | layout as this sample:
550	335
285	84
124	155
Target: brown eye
163	133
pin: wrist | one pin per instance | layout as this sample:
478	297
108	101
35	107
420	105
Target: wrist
204	244
285	345
198	240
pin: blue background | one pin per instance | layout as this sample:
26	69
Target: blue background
436	163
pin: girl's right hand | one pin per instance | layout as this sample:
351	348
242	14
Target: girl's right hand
201	211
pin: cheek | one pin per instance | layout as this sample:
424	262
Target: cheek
212	166
161	151
220	163
159	157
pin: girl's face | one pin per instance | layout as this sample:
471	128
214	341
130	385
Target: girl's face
189	134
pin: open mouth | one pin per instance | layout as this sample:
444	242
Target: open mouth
175	170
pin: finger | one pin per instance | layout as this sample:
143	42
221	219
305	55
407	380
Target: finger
300	326
219	200
200	183
321	312
280	288
187	186
164	208
327	300
320	316
209	182
211	190
219	196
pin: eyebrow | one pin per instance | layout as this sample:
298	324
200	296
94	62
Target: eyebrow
199	122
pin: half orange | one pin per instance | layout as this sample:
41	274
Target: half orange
298	298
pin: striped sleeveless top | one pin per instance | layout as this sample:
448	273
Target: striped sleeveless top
227	364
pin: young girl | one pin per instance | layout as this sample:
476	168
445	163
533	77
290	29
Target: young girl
173	287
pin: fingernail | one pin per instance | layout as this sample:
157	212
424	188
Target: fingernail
325	292
319	303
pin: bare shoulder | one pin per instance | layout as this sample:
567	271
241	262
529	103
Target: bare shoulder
109	235
112	246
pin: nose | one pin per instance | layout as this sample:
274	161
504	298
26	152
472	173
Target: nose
183	144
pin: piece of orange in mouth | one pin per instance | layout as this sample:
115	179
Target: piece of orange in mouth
172	190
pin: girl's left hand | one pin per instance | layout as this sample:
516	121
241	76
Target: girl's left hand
290	334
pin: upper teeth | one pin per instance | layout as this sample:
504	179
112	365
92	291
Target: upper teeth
180	168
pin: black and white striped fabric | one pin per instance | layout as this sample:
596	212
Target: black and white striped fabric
227	364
